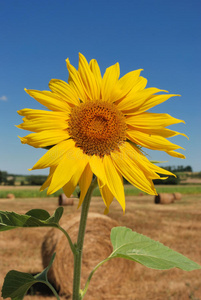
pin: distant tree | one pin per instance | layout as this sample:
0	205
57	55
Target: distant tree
180	168
3	177
10	180
188	169
36	179
169	180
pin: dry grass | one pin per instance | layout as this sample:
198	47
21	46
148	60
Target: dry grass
177	225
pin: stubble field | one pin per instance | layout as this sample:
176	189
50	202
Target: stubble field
176	225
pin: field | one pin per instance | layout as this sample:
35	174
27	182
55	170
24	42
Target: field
176	225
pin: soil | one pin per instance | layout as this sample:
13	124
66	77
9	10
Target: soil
177	225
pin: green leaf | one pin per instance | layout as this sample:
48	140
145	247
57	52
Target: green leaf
16	284
33	218
137	247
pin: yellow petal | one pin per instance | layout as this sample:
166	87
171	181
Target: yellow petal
48	180
154	142
151	120
49	99
45	138
125	85
84	183
53	156
75	81
87	78
129	80
153	101
97	75
149	169
106	195
72	164
41	124
176	154
70	186
110	79
132	172
134	100
138	158
96	165
64	90
114	181
36	113
164	132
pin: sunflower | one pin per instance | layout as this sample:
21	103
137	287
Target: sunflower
99	125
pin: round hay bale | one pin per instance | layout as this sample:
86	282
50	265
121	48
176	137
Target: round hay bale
11	196
177	196
164	198
63	200
97	246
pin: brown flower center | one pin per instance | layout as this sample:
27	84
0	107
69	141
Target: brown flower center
97	127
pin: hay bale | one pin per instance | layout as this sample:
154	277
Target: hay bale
177	196
11	196
97	246
63	200
164	198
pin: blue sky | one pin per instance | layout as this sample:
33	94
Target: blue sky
162	37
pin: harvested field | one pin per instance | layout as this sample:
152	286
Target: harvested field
177	225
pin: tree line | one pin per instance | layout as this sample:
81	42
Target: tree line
14	179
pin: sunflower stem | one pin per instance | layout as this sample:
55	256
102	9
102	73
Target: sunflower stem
77	294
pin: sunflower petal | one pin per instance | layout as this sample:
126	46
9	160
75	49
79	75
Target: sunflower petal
75	81
97	74
154	142
151	120
84	183
135	100
48	180
153	101
106	195
64	90
49	99
36	113
70	186
176	154
45	138
110	79
125	84
72	164
41	124
53	156
96	165
132	172
114	181
87	78
164	132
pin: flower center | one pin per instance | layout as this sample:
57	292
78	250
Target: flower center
97	127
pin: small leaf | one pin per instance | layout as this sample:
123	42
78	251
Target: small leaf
137	247
33	218
39	214
16	284
43	274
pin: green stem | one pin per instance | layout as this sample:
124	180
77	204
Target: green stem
91	274
53	290
72	246
80	242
